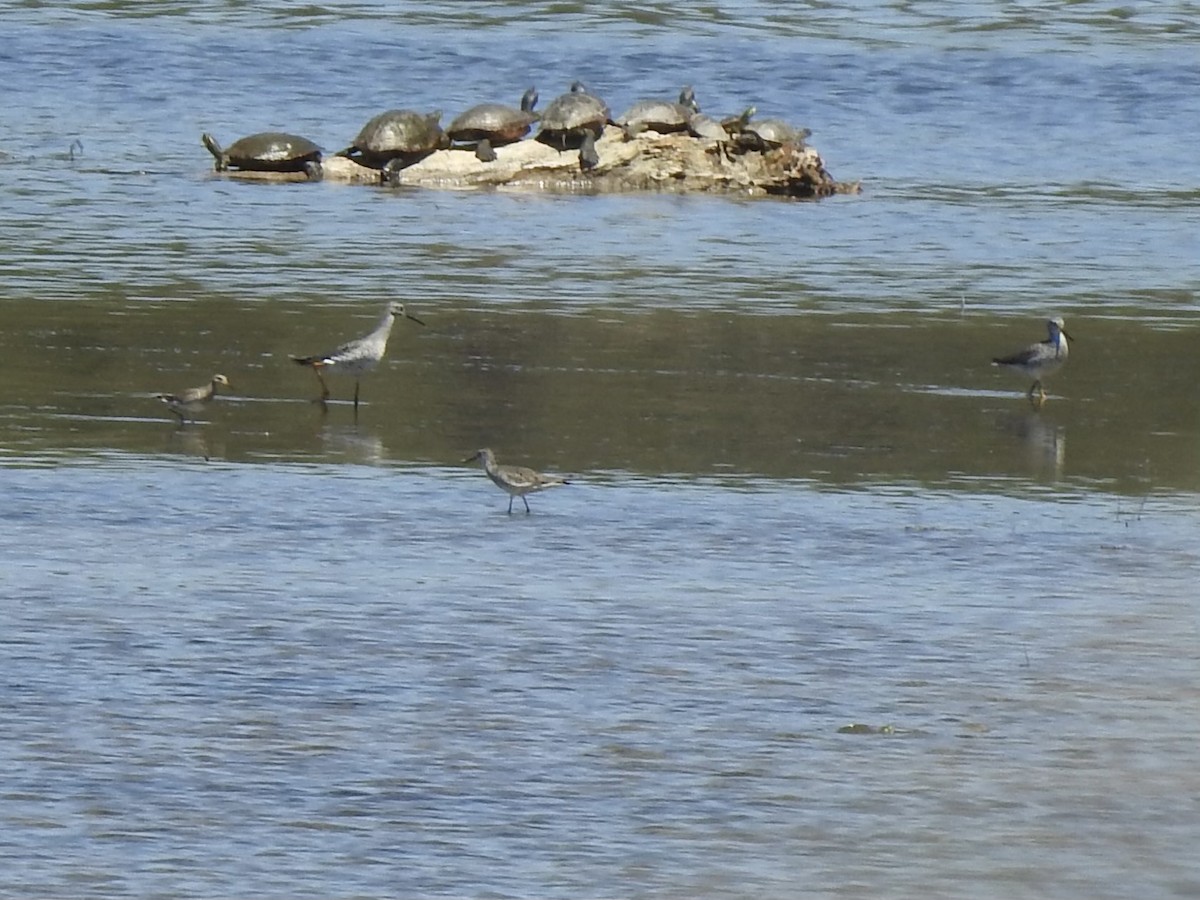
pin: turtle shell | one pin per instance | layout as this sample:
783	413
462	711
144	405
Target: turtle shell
655	115
662	116
493	122
776	133
572	116
397	133
267	151
707	127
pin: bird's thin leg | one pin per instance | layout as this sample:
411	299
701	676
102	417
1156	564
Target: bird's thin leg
1040	399
356	395
526	502
510	499
324	386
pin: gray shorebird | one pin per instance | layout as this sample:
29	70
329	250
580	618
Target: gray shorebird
1041	360
516	481
358	357
192	400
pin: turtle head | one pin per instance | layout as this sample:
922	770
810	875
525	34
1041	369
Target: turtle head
687	97
529	100
214	148
433	123
221	380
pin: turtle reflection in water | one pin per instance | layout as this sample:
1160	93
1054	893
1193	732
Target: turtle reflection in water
267	151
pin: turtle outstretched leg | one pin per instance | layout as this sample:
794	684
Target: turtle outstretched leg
314	171
390	173
588	157
484	151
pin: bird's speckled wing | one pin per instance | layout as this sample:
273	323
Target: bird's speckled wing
1020	358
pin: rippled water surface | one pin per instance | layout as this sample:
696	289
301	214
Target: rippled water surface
827	609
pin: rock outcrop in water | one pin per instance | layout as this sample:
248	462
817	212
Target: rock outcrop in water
677	162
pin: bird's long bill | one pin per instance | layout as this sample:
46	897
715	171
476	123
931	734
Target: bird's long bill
474	457
409	315
1067	335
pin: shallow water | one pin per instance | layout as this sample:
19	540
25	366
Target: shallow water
405	690
289	650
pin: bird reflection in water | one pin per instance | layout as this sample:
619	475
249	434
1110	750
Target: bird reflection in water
351	443
1044	443
188	442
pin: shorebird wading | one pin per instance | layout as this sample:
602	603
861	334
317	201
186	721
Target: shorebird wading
192	400
517	481
1041	360
358	357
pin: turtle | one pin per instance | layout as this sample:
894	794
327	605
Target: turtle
769	134
662	116
397	138
491	124
719	130
267	151
703	126
709	129
739	123
575	119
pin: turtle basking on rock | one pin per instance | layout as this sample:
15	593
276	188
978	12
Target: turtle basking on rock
707	127
490	125
662	116
770	134
267	151
575	119
397	138
739	123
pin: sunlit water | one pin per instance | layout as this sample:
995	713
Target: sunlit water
289	652
407	691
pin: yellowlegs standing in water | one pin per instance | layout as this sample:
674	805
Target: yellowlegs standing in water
517	481
358	357
1041	360
192	400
